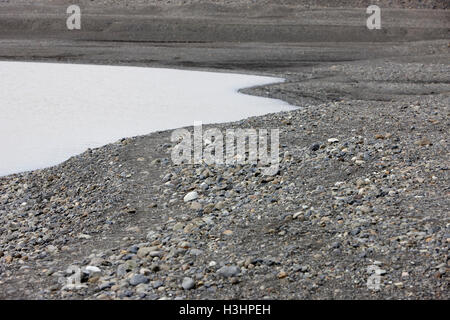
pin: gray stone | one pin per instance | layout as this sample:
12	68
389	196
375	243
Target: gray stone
228	271
138	279
188	283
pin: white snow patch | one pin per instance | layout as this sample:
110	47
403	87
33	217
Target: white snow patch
50	112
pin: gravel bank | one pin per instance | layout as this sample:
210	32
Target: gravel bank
363	183
360	183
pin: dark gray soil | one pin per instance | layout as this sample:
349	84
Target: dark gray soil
363	180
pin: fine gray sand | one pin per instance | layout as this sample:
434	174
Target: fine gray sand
363	179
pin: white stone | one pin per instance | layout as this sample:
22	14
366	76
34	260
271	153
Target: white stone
296	215
93	269
190	196
212	264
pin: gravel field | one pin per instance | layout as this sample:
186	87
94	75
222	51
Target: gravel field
363	181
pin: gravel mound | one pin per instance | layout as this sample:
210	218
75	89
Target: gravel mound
361	185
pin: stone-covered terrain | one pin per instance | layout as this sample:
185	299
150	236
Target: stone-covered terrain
363	183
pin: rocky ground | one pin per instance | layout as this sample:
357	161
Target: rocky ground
363	183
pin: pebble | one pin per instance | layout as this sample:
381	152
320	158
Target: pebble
315	147
196	206
188	283
93	269
297	214
190	196
228	232
228	271
138	279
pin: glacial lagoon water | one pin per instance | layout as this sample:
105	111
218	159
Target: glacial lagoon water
50	112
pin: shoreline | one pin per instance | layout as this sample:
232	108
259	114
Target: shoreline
363	182
153	69
134	217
